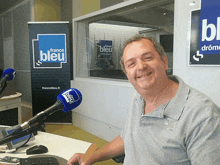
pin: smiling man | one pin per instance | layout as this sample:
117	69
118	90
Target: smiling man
146	71
168	121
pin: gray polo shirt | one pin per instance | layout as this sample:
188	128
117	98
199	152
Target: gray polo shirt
184	131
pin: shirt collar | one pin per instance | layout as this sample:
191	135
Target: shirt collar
176	105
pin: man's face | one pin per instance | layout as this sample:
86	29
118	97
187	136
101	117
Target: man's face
143	65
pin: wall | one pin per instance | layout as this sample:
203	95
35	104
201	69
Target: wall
66	10
81	7
15	50
89	6
48	10
77	8
203	78
107	3
102	111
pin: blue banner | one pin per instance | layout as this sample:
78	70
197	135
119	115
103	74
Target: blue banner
205	34
209	27
50	66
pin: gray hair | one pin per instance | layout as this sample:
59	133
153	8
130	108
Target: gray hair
158	47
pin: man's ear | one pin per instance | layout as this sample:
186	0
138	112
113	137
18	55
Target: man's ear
165	60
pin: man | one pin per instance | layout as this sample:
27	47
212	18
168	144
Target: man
168	121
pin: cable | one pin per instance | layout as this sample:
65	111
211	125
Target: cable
24	142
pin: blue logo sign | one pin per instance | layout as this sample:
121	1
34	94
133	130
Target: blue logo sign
209	27
205	34
104	49
49	51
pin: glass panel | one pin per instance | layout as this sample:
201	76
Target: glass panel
99	43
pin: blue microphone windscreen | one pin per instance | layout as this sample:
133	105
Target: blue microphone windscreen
11	72
70	98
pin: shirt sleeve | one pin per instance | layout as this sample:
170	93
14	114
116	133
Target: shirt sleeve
203	142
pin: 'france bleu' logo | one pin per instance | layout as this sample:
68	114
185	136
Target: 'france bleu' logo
205	34
104	49
210	27
49	51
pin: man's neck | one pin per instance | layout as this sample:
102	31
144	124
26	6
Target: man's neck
161	95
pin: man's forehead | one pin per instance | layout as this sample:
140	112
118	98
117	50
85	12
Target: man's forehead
143	44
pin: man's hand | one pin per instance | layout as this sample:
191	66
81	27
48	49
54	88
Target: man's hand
92	155
79	159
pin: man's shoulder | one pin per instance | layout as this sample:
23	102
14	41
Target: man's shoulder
199	98
200	107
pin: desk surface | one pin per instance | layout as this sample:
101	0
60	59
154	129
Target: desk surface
57	145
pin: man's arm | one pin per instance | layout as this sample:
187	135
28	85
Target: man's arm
110	150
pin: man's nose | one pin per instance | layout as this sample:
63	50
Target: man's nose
141	65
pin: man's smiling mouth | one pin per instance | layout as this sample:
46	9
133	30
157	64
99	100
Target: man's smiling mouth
145	75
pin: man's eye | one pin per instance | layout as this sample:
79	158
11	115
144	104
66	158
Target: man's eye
130	64
148	57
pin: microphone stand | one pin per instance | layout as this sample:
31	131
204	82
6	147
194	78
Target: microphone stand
28	131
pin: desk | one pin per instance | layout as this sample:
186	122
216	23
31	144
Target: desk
10	102
58	146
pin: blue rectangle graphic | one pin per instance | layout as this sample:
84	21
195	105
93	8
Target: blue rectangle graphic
52	48
209	27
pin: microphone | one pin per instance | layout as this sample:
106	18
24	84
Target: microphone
8	75
66	101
